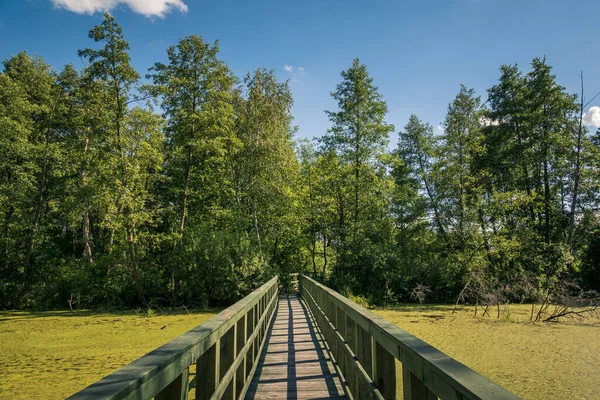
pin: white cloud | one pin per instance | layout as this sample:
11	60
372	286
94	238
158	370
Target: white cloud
440	128
149	8
301	69
592	117
288	68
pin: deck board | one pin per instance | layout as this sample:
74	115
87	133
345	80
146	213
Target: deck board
294	363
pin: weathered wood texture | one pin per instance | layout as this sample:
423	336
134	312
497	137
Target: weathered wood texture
365	346
225	350
294	363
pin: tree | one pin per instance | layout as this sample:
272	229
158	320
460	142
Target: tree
359	133
417	149
460	148
359	136
37	82
530	124
111	66
17	180
551	112
196	92
267	164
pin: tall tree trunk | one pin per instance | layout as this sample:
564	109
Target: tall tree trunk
135	265
356	182
576	172
341	221
461	179
186	188
356	201
525	169
85	229
111	240
34	227
86	242
130	229
38	211
324	256
184	212
547	227
274	255
256	230
432	199
486	243
188	174
312	253
312	222
4	234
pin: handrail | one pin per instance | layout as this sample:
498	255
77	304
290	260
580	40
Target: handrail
365	347
225	350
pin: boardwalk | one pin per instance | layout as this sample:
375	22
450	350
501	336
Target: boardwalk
294	363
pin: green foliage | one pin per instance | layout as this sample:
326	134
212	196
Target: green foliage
106	203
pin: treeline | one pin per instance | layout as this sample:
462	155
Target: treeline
109	201
190	189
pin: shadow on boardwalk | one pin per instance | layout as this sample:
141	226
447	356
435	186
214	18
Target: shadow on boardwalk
294	363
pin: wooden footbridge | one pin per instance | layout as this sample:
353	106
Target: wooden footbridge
313	344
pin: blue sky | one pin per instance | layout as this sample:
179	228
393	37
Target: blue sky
418	52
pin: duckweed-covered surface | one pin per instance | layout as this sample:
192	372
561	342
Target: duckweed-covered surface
51	355
533	360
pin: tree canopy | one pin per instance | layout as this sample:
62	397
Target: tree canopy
190	188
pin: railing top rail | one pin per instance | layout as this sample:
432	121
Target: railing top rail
430	364
178	353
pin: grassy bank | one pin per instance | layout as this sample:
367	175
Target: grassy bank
533	360
50	355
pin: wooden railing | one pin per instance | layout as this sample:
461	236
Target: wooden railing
225	350
365	348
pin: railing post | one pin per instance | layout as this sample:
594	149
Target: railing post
340	317
207	372
249	330
351	341
385	372
240	374
262	311
413	388
364	353
177	389
331	339
228	352
255	326
364	350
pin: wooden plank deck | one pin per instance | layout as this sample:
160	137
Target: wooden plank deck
294	363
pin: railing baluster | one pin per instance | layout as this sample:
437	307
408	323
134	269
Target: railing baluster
249	329
333	344
207	372
364	350
177	389
240	376
227	356
385	372
413	388
257	339
351	341
340	321
341	328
